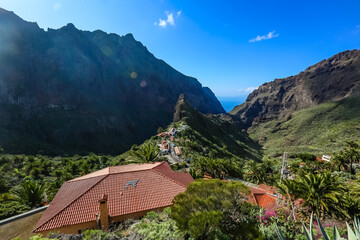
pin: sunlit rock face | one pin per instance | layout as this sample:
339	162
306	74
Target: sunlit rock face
329	80
71	91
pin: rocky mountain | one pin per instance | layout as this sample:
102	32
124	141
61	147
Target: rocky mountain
315	111
329	80
216	135
72	91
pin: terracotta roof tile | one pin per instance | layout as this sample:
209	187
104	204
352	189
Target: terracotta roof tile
265	200
77	200
262	198
120	169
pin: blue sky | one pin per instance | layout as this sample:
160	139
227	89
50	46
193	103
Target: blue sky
230	46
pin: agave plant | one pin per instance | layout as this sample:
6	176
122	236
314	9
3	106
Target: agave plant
352	235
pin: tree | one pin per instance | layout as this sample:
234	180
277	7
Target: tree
160	130
322	193
11	208
30	192
217	167
4	185
352	154
347	157
84	168
255	172
211	209
146	153
339	161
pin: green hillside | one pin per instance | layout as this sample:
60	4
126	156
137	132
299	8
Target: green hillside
319	129
215	135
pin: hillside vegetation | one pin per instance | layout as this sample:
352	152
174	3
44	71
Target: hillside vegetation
215	135
320	129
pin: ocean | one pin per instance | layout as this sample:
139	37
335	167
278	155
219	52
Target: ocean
229	103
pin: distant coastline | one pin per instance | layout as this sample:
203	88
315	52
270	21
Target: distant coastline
229	103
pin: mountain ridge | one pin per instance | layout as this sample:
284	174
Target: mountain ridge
221	135
73	91
331	79
315	111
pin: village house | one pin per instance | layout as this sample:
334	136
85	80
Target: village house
264	196
112	195
177	151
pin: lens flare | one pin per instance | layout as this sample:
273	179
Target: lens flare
133	75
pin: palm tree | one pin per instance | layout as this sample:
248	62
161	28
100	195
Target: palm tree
146	153
30	192
346	158
339	161
322	193
352	154
84	168
255	172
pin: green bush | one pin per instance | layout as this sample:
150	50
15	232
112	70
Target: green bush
11	208
213	209
158	226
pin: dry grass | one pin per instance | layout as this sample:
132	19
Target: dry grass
21	228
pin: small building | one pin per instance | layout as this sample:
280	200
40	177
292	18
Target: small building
264	196
163	134
177	151
164	146
111	195
326	158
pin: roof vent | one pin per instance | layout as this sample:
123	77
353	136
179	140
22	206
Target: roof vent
133	183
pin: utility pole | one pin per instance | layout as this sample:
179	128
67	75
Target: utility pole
284	166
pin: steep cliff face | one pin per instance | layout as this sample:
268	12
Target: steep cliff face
329	80
73	91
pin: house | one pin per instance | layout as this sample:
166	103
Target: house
111	195
177	151
326	158
264	196
164	145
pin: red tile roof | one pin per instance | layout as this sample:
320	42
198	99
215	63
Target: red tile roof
77	200
262	197
265	200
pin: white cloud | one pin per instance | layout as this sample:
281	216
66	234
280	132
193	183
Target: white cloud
250	89
57	6
169	19
259	38
162	23
247	90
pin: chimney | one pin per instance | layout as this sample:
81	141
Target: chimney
104	213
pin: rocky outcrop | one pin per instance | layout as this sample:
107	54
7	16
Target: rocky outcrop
72	91
329	80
